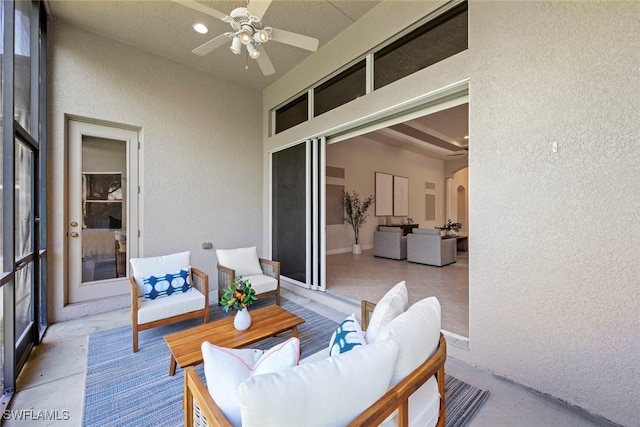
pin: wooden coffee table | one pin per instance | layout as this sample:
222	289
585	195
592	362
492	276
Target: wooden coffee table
265	322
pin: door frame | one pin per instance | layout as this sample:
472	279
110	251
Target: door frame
77	128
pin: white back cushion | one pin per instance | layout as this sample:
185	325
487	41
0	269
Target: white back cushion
394	302
417	332
144	267
226	368
329	392
244	261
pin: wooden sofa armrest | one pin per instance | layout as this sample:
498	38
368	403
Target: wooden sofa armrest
226	277
200	280
197	396
366	309
398	396
134	300
270	268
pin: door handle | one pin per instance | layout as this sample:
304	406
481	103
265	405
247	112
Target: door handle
73	234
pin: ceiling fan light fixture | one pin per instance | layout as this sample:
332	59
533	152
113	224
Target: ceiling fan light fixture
253	52
236	46
245	35
261	36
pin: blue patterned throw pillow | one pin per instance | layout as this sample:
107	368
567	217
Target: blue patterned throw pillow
164	285
347	335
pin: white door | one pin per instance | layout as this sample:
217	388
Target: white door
102	228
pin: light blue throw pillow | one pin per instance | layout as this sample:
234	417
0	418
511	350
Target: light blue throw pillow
164	285
347	336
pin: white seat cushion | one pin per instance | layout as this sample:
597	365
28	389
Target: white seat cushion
161	308
393	303
153	266
262	283
244	261
329	392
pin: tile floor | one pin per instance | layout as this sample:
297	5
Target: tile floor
365	277
53	378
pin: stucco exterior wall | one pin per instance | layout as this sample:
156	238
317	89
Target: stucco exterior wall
553	276
200	163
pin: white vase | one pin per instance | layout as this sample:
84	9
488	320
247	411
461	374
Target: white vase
450	233
356	249
242	320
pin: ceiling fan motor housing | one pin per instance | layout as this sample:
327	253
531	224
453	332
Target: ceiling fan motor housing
241	17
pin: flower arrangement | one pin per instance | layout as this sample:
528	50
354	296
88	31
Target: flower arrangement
356	210
455	226
239	295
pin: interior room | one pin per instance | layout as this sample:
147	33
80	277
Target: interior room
431	152
238	137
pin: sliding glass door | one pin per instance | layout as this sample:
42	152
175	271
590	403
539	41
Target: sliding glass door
23	316
297	213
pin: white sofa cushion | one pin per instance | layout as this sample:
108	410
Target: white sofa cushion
244	261
226	368
151	266
261	283
161	308
347	336
328	392
417	332
393	303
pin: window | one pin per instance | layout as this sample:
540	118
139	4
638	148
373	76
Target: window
346	86
438	39
442	36
102	200
292	113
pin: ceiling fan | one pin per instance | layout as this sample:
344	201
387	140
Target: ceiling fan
250	31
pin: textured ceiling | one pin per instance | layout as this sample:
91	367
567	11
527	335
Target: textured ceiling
165	28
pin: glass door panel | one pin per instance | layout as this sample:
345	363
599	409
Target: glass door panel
104	233
22	109
24	200
24	246
289	211
24	299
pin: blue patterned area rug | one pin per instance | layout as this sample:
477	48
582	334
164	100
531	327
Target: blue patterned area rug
123	388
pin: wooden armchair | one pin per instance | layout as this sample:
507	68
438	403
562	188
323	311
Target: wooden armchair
164	311
264	274
201	410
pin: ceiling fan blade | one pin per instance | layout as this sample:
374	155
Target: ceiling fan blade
294	39
211	45
191	4
258	7
264	62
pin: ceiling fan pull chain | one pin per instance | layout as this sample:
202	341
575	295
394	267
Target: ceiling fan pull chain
246	60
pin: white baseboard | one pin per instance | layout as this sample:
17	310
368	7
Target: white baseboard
347	250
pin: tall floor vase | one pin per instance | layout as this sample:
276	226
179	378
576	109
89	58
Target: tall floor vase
242	320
